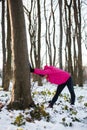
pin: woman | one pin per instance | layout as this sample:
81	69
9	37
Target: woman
57	76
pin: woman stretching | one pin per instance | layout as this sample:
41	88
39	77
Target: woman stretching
57	76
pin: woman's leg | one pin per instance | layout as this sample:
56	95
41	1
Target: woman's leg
71	90
58	91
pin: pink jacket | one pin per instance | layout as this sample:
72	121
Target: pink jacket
54	75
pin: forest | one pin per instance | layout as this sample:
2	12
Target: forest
39	33
48	33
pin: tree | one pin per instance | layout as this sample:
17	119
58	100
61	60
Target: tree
3	42
7	76
80	71
50	32
61	34
68	34
77	19
38	62
21	94
34	17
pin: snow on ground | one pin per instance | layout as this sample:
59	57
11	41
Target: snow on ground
62	115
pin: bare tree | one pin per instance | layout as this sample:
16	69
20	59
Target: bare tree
21	93
32	17
61	34
38	63
53	39
77	19
68	34
75	62
8	60
46	32
50	33
80	71
3	41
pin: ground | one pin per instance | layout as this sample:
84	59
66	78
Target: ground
62	116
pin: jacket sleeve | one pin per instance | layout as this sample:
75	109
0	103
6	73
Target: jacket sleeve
42	72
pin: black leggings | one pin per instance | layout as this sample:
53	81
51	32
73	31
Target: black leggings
69	84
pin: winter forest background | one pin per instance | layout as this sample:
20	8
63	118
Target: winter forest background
42	32
56	35
52	32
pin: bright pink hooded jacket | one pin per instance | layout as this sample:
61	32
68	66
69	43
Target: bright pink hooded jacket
54	75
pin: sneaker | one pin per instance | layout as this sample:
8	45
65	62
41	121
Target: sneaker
49	101
50	106
72	107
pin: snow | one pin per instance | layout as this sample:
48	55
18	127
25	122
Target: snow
60	118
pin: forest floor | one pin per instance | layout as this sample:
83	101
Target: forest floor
62	116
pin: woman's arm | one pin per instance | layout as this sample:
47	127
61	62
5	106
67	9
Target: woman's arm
42	72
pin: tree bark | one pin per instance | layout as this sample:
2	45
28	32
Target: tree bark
77	19
21	94
3	42
61	34
68	34
8	61
38	64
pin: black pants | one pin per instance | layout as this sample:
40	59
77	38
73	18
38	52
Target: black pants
69	84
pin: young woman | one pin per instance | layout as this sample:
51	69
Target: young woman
57	76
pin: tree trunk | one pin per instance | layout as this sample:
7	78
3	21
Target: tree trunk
68	34
3	42
39	40
80	71
21	94
61	35
77	19
8	62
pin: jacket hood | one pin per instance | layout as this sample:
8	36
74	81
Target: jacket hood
46	67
